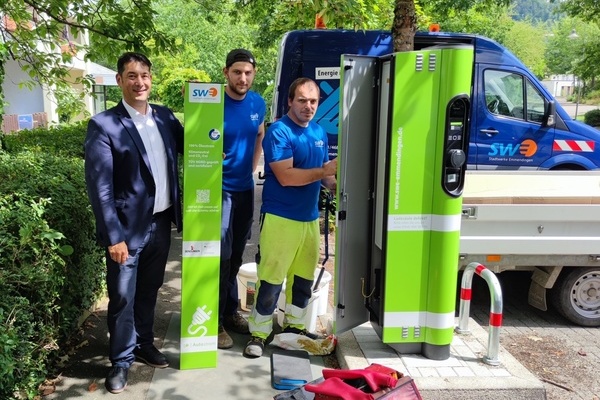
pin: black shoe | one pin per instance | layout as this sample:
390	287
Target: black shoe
116	380
302	332
151	356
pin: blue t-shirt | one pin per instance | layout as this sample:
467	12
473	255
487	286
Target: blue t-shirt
242	120
308	147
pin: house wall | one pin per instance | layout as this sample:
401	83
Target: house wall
20	100
37	99
40	100
561	85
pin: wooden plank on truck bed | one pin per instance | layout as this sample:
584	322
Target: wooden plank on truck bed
532	187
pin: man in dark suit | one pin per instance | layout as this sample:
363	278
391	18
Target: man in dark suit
132	182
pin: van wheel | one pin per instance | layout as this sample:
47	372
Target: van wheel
576	296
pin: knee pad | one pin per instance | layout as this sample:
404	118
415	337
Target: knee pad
303	290
267	297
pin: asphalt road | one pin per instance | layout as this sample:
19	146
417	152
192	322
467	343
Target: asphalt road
571	108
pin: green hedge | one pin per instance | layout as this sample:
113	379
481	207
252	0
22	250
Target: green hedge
31	280
592	118
66	140
51	268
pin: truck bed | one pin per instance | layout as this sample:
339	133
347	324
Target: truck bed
540	213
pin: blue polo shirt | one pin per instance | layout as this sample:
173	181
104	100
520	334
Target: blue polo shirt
308	147
242	120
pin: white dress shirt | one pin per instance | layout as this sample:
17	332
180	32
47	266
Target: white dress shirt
157	155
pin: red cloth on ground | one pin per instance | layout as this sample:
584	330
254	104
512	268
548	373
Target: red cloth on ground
375	380
337	389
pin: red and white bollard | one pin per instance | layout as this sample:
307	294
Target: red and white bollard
495	309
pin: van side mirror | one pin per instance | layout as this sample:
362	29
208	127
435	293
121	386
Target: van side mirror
549	114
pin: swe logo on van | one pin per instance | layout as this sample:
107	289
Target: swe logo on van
527	148
205	93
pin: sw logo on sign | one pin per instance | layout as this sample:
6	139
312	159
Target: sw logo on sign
211	92
204	93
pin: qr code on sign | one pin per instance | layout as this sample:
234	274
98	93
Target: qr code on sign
203	196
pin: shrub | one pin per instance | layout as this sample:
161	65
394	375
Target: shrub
61	179
47	286
592	118
171	83
65	140
31	281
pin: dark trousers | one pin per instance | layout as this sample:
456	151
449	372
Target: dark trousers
133	290
236	223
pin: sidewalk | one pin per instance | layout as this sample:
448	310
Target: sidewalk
462	376
235	377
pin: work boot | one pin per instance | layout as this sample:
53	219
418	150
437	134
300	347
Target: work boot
236	323
254	348
224	341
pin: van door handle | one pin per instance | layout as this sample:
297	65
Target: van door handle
489	132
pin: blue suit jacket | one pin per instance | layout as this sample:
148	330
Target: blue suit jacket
118	175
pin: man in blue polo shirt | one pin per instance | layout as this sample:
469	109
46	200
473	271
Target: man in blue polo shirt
296	164
243	133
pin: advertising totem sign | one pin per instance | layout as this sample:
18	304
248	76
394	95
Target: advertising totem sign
202	184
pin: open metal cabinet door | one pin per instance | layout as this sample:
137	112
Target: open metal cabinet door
356	149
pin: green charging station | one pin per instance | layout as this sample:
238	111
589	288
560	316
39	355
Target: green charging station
402	143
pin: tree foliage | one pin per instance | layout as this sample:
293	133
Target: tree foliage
197	34
171	82
33	32
587	10
535	10
562	50
588	43
495	20
204	32
490	20
527	42
440	11
279	16
573	47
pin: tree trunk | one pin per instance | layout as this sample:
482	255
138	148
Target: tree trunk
2	73
404	25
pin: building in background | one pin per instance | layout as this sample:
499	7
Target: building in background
561	85
29	104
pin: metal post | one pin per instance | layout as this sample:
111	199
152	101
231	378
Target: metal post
495	309
578	96
465	299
